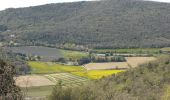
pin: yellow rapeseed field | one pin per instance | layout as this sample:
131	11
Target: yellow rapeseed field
49	67
97	74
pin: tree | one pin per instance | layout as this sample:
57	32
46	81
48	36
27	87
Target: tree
8	89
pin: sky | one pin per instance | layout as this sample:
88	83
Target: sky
26	3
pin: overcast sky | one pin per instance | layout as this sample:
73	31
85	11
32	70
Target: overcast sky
26	3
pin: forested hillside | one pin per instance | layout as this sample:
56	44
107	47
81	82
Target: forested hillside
99	24
146	82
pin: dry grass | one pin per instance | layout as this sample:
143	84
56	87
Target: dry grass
32	80
131	62
135	61
110	65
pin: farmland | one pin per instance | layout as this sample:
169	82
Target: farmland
46	74
73	54
135	61
97	74
32	81
65	70
167	49
131	50
66	78
37	92
49	67
45	52
109	65
130	62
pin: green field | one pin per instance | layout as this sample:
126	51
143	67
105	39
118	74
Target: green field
49	67
37	91
68	54
132	50
66	79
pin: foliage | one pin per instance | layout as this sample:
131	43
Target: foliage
8	89
108	59
3	28
84	61
16	60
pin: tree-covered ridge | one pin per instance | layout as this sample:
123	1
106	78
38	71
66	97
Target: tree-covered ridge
99	24
147	82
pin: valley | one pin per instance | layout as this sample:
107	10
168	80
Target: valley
87	50
48	70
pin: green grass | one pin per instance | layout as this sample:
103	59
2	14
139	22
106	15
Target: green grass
132	50
49	67
37	91
74	55
97	74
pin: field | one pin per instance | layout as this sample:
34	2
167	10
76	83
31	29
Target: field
73	54
49	67
130	62
109	65
47	74
135	61
32	81
132	50
167	49
97	74
46	53
40	86
38	92
66	79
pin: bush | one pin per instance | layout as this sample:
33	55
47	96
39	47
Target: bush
8	89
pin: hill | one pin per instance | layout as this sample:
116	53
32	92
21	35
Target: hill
95	24
147	82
